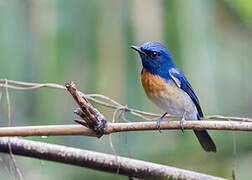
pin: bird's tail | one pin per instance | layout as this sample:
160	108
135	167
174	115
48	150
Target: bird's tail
205	140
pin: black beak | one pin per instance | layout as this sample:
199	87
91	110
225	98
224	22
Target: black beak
138	49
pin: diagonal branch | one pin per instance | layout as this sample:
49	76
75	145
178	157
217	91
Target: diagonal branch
98	161
92	118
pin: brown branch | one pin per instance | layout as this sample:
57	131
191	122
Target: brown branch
212	125
92	118
64	130
98	161
53	130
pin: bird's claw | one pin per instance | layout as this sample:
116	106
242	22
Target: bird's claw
159	124
181	125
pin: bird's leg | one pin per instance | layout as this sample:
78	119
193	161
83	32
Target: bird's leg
159	122
181	122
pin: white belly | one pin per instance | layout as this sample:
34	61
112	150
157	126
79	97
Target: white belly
177	104
168	96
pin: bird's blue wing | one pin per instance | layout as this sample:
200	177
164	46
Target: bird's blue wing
181	81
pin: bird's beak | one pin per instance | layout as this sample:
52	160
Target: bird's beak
138	49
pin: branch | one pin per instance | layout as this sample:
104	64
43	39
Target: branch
64	130
112	104
98	161
92	118
51	130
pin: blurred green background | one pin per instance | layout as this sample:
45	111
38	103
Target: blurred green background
88	42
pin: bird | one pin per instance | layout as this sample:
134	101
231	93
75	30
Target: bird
167	87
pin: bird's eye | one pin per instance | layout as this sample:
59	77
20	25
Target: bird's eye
153	54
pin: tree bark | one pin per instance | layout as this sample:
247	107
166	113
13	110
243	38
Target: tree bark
98	161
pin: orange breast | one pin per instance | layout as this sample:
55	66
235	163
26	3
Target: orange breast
152	83
166	95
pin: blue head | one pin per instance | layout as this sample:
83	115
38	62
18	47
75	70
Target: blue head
155	57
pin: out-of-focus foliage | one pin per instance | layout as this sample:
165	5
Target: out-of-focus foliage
243	8
88	41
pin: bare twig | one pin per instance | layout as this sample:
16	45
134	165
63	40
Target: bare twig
8	103
92	118
213	125
60	130
19	173
1	93
228	118
53	130
19	85
29	86
98	161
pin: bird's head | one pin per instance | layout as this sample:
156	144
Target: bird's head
155	57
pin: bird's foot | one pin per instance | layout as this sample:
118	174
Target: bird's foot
159	122
181	124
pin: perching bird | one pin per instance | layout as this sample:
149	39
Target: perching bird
167	87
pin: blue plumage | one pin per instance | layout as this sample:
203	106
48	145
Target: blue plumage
167	87
186	86
162	64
